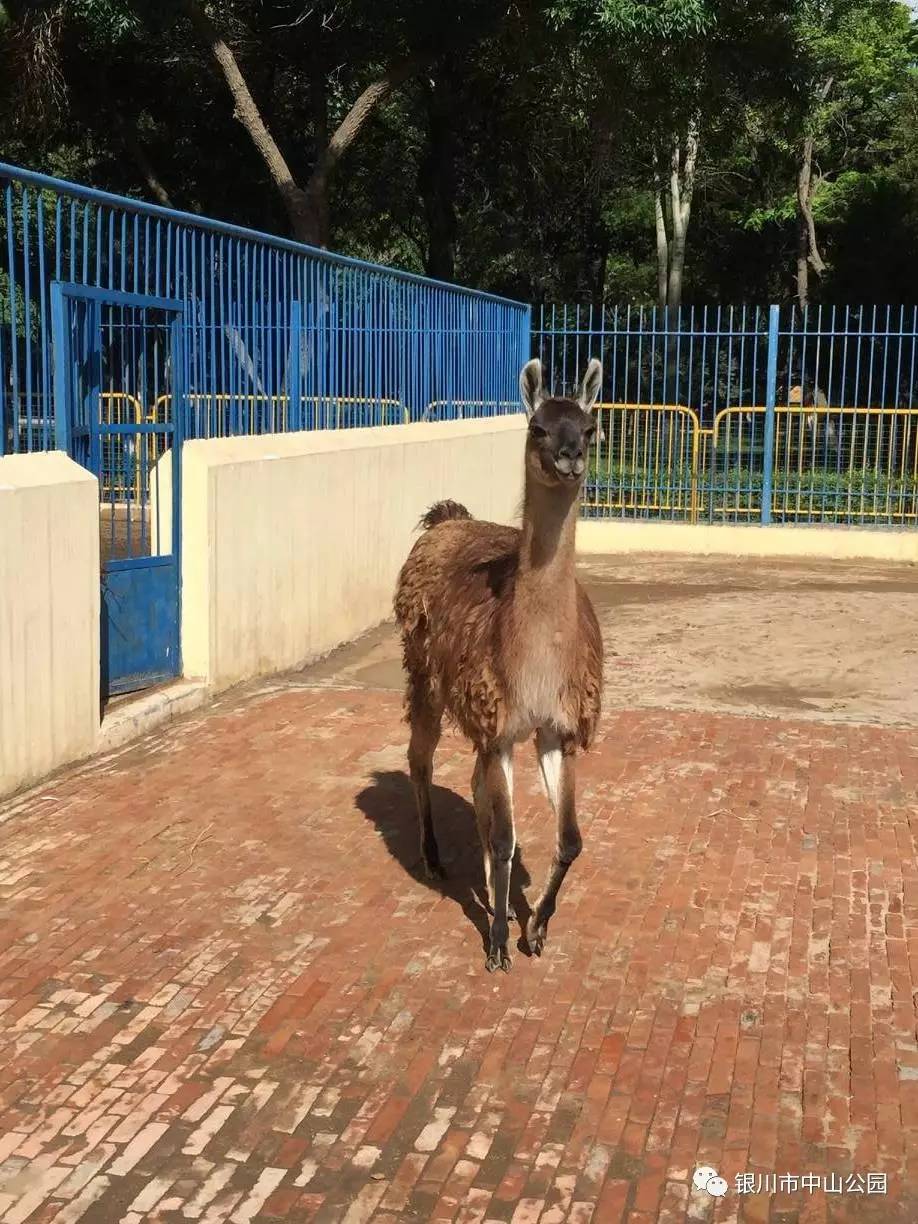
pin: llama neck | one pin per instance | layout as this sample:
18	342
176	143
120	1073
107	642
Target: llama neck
549	530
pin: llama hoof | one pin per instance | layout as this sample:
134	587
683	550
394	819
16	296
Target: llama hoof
499	960
536	935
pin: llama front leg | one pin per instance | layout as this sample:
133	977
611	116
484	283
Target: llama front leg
425	735
556	761
497	768
482	803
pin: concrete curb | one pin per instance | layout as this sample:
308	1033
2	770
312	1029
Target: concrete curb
149	711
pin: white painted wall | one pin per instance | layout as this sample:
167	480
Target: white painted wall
49	615
616	536
292	543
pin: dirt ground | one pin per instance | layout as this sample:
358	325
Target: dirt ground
829	640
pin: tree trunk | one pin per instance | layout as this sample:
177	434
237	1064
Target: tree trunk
662	247
672	241
592	273
803	267
345	134
681	192
589	272
299	210
598	278
807	247
307	209
318	97
437	178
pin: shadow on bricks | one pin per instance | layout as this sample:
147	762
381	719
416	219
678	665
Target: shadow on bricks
389	804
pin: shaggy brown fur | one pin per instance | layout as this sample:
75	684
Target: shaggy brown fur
461	630
442	512
500	637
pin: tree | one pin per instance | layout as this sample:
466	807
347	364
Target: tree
851	56
536	150
688	67
307	206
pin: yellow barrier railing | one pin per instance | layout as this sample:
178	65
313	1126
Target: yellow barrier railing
646	459
840	464
830	463
342	400
282	402
121	405
460	404
873	451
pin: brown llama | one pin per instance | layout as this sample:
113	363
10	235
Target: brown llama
498	634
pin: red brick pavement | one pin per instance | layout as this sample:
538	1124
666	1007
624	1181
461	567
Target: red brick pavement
224	995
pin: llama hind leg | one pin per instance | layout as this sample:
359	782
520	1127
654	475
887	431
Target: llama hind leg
556	761
497	768
425	735
482	803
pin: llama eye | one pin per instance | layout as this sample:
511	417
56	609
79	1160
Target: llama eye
538	432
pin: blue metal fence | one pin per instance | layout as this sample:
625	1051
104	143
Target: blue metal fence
746	414
719	414
277	336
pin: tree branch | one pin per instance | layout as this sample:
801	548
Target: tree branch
131	140
350	127
308	208
372	97
246	111
804	204
688	175
675	188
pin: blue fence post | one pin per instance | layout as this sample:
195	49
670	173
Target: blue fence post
771	386
294	388
62	368
527	350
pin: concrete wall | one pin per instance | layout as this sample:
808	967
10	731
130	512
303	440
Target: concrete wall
747	540
49	616
292	542
291	546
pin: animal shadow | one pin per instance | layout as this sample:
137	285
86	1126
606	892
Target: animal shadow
389	804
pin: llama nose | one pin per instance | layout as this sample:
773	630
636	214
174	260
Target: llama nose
570	452
570	467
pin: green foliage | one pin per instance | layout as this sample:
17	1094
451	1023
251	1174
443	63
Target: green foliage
639	18
777	214
815	493
552	107
106	21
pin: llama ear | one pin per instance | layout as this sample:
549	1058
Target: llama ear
591	386
531	385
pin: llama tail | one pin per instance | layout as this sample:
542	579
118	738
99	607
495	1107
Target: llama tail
441	512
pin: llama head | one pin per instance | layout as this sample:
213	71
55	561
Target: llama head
560	430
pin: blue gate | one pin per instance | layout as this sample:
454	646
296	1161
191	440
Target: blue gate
126	328
118	367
